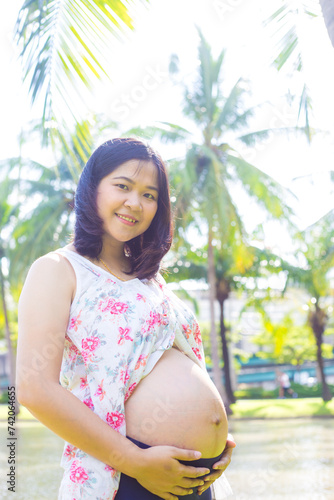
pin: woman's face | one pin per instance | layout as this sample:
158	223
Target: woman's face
127	200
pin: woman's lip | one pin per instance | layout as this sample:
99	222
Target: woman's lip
124	218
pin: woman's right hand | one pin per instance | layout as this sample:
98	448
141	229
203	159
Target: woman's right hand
161	473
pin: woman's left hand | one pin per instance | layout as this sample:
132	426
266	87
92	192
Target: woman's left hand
221	465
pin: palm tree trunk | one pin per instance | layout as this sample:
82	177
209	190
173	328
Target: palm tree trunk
317	319
327	7
217	372
326	393
10	352
226	357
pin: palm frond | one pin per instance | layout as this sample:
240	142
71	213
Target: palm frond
65	47
167	132
305	106
229	116
261	186
251	138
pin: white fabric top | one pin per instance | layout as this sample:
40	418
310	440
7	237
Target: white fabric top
117	332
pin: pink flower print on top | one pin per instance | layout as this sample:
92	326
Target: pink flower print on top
109	280
141	361
88	402
113	307
100	391
123	335
90	344
69	451
83	383
119	308
197	334
187	331
78	474
197	352
124	376
130	391
141	297
154	319
108	468
73	351
115	419
75	323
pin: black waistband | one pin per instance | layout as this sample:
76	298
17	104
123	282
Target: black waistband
200	462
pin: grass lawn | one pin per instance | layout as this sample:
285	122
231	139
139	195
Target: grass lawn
282	408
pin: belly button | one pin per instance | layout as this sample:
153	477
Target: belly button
216	421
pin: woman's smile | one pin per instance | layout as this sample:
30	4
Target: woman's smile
127	219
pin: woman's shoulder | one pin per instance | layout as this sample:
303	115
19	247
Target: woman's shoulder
48	290
54	260
52	267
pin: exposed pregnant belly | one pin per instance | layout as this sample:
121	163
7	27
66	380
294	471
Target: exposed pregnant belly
177	404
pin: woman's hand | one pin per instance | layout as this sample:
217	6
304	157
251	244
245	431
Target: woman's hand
221	465
161	473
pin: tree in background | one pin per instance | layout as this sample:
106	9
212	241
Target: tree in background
8	218
314	275
204	181
288	342
46	201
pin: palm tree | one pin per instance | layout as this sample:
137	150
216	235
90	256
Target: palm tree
314	277
46	197
313	274
66	46
8	216
203	181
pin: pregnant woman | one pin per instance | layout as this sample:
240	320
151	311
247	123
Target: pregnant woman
108	357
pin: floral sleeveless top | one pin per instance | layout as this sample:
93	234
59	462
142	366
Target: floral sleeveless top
117	332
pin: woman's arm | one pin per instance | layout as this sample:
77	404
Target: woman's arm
44	309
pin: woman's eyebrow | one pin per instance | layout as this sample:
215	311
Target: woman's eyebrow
133	182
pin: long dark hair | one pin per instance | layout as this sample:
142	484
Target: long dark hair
145	251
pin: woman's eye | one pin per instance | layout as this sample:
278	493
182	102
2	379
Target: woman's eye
149	196
122	186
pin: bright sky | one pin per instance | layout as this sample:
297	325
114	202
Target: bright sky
141	91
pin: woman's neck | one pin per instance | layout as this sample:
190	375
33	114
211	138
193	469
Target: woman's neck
114	256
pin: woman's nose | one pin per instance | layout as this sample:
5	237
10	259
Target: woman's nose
133	201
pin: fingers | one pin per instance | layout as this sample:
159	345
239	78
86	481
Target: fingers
226	457
187	470
190	471
223	463
191	483
208	481
186	488
201	490
212	477
230	443
190	455
181	492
